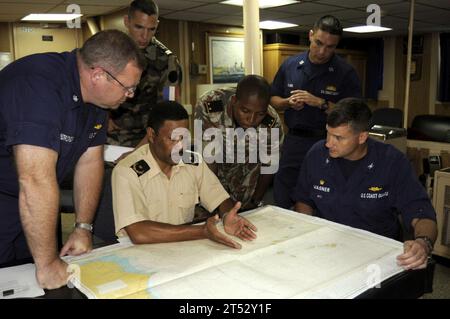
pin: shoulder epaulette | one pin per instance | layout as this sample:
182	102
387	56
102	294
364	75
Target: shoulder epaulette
268	121
140	167
214	106
160	45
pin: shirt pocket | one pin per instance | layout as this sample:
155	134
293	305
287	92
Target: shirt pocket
324	199
153	211
186	204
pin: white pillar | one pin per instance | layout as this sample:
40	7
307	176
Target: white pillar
184	58
408	63
252	42
434	73
92	25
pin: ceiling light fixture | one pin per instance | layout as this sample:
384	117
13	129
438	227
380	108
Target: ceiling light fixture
366	29
263	3
51	17
272	25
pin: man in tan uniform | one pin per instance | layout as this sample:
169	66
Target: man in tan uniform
153	195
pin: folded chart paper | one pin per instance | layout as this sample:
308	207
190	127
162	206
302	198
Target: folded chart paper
294	256
19	282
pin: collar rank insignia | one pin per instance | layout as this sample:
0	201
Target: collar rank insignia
98	126
214	106
140	167
268	121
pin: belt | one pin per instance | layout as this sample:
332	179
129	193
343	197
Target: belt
307	132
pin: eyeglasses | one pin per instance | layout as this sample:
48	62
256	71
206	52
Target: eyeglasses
129	89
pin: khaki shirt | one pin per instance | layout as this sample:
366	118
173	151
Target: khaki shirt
141	191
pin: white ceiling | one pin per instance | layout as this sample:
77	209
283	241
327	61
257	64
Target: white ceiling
430	15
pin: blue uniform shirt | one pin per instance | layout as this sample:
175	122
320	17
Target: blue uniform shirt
382	185
332	81
41	105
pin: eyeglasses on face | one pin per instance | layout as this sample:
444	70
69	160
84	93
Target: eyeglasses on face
129	89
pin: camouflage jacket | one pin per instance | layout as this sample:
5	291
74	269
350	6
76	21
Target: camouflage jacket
163	69
238	179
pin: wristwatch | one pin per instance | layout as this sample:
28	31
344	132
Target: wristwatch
324	105
85	226
428	242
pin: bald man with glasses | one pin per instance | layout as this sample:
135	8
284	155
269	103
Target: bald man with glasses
53	120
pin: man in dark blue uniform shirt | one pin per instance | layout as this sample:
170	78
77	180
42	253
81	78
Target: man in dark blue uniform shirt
356	181
306	87
52	121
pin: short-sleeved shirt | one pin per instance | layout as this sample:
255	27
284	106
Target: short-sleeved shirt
382	185
239	179
332	81
41	105
162	71
141	191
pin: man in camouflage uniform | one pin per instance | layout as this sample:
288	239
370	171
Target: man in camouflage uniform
246	106
127	123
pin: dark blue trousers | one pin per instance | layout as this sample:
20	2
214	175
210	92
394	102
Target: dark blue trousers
292	154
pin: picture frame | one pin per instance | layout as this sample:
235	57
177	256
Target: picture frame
225	58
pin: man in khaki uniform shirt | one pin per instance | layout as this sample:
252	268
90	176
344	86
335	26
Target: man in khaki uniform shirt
153	196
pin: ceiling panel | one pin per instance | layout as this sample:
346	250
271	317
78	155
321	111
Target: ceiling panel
430	27
219	9
108	3
396	12
87	10
280	16
32	1
178	5
190	16
8	17
24	8
230	20
351	14
357	3
401	8
209	1
418	11
430	17
442	4
303	8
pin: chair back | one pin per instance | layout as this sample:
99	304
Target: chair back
388	117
